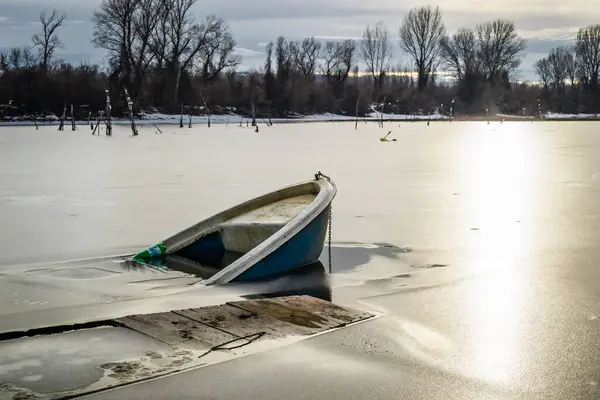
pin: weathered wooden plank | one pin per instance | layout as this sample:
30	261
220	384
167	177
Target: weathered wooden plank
292	314
176	330
204	328
243	323
325	309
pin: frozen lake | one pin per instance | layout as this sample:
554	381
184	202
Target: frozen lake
501	221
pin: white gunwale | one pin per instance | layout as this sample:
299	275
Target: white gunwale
325	190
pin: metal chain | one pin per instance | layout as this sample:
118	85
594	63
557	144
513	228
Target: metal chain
319	175
329	229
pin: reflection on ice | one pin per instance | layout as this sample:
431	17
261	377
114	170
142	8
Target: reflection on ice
498	171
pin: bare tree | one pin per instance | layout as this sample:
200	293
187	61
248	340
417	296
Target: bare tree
572	66
124	28
145	20
501	48
4	62
338	60
27	56
587	48
269	77
284	63
305	55
179	42
420	36
376	51
20	57
15	58
559	64
283	59
47	41
544	70
172	40
216	49
460	53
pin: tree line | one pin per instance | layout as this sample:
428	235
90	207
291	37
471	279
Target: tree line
571	75
166	57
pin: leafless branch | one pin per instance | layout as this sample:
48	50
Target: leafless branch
460	53
376	50
501	48
420	36
47	41
305	55
587	48
544	71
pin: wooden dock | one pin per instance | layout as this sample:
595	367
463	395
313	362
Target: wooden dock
182	339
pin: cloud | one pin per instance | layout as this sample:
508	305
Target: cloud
338	38
247	52
545	23
563	34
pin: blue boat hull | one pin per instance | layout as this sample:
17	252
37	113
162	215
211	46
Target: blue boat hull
267	236
302	249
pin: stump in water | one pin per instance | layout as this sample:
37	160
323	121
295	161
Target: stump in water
73	126
108	120
181	118
61	127
134	130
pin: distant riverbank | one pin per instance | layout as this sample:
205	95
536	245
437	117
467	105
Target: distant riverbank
170	119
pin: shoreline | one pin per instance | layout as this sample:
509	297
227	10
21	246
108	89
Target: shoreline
225	119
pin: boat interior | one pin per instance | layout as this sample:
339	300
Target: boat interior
218	246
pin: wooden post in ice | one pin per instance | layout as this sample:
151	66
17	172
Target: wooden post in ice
98	119
269	114
73	126
181	118
253	113
134	130
90	120
356	122
61	126
205	107
382	110
108	114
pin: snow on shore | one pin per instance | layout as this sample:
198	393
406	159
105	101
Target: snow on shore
571	116
158	118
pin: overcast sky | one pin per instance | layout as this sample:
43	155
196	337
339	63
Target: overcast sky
545	23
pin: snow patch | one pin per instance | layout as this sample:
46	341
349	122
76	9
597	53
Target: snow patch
551	115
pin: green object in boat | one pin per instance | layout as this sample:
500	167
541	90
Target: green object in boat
158	250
